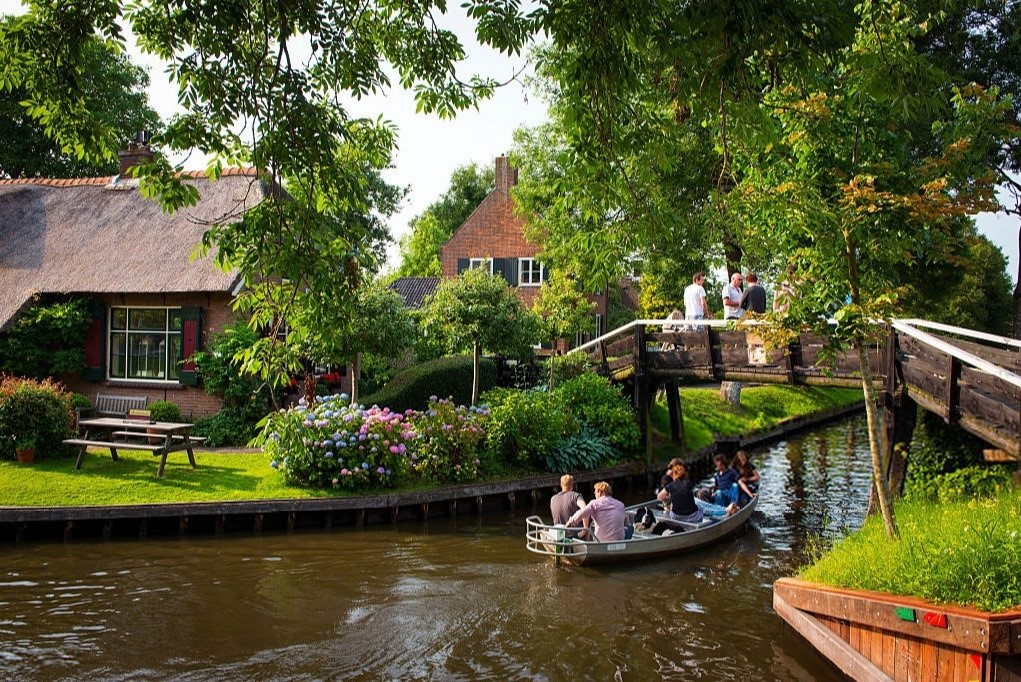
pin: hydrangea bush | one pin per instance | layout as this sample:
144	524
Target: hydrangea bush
333	444
448	443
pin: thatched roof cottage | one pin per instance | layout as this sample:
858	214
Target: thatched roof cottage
154	301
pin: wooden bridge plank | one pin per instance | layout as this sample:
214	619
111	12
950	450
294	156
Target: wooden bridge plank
1004	357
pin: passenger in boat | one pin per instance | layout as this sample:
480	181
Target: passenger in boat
606	512
680	495
667	478
748	477
566	502
725	486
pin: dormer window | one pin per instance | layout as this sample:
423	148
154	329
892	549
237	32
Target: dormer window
530	272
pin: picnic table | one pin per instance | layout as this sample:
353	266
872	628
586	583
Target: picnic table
159	438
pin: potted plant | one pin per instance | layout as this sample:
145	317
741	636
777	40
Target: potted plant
24	448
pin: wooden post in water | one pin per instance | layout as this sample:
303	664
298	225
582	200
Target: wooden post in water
673	403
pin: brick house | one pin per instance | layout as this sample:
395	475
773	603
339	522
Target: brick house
493	237
153	304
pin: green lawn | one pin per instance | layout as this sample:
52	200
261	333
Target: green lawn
224	476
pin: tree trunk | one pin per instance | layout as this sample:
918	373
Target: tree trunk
310	387
1016	327
476	362
356	375
880	484
730	392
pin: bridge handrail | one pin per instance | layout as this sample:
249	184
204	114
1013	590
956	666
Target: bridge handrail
637	323
905	327
961	331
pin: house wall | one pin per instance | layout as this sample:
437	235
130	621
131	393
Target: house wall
193	400
494	231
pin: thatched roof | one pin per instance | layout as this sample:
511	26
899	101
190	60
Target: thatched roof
95	235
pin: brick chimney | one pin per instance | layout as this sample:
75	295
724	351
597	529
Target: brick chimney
505	176
134	154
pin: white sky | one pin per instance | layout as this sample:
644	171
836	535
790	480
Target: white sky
429	149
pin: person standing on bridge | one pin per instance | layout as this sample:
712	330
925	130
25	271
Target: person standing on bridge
754	297
732	298
695	305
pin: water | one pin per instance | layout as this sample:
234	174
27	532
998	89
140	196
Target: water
447	599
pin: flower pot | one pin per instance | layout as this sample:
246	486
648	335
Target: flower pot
25	455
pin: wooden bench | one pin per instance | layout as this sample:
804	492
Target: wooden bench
118	405
84	443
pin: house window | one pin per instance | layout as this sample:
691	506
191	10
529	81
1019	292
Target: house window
145	343
482	263
530	272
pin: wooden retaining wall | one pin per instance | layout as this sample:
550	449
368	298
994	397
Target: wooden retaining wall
875	636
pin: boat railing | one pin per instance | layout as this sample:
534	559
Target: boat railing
551	540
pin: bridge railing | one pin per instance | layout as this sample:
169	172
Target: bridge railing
975	385
716	350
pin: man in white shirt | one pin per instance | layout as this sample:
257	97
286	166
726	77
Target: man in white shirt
695	305
732	298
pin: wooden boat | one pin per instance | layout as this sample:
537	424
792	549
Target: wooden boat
666	536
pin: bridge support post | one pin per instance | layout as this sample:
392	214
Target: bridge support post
673	403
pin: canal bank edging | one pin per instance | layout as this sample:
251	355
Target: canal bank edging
25	523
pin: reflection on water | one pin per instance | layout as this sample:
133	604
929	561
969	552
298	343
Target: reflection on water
447	599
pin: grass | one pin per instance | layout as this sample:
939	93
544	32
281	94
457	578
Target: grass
762	408
964	553
230	476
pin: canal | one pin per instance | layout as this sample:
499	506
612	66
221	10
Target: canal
446	599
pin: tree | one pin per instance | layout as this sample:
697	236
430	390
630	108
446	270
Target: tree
420	250
477	311
112	87
382	325
264	84
832	178
563	310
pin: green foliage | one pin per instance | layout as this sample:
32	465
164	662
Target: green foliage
594	401
36	411
939	451
448	439
420	249
227	427
952	552
80	401
525	426
411	389
562	307
587	449
164	411
246	397
567	366
109	85
47	340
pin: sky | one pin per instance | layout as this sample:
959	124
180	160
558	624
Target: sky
429	149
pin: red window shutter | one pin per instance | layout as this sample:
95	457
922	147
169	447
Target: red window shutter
95	344
191	342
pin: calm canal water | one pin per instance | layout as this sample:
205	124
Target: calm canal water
447	599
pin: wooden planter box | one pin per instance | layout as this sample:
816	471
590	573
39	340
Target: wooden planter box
877	636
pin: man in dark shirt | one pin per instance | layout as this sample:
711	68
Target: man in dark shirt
566	502
754	296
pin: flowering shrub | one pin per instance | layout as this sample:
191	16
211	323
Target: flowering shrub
335	444
449	437
32	411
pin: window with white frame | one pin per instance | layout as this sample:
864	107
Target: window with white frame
530	272
481	263
145	343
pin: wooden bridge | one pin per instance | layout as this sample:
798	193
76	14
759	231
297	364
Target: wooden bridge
968	378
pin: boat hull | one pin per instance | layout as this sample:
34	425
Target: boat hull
679	538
